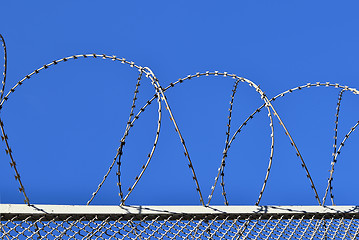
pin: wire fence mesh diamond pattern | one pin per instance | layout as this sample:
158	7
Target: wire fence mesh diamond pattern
244	222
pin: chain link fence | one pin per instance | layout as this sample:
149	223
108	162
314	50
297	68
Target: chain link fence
178	222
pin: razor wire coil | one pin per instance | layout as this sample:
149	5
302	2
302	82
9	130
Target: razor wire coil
160	97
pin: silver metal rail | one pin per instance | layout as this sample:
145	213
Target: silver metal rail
7	211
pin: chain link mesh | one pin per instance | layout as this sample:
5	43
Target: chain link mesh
306	226
19	221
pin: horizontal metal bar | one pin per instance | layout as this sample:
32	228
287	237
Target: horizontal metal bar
8	211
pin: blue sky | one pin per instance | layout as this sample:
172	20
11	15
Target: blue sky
65	124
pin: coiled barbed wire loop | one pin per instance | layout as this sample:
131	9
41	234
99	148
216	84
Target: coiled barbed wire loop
160	97
53	63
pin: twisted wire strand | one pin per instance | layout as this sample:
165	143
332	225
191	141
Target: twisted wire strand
269	162
8	150
5	67
337	121
122	143
123	140
128	124
221	170
335	159
134	98
55	62
335	141
227	140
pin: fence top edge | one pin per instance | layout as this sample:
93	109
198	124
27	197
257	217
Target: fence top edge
40	209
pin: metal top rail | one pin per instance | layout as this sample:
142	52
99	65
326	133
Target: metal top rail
7	211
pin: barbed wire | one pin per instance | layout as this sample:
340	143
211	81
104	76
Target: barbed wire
123	138
5	67
330	179
144	167
160	97
4	136
308	85
335	142
227	141
251	84
215	73
119	151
